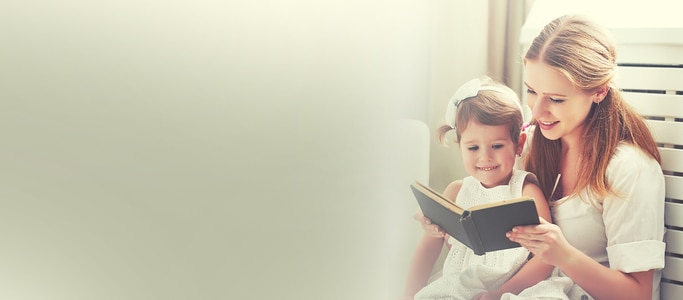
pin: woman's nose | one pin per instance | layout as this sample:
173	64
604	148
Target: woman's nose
536	106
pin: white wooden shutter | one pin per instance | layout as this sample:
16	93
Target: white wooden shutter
656	92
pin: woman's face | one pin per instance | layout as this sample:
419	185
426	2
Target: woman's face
555	103
488	153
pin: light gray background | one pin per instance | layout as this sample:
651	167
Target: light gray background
203	149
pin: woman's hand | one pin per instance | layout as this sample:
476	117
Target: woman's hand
430	229
545	241
488	296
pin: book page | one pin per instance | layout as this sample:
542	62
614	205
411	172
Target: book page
439	198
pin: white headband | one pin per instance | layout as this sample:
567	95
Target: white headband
468	90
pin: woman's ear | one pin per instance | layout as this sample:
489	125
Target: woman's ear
601	93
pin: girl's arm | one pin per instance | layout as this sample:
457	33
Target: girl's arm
428	249
422	263
535	270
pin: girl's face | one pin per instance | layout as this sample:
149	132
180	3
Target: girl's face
488	153
555	103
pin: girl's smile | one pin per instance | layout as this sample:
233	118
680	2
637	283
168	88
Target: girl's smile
487	168
488	153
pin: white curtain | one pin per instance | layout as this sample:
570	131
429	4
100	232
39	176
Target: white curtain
504	51
460	32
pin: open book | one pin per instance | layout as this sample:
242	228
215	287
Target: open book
481	227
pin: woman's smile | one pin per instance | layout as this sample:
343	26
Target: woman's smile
547	125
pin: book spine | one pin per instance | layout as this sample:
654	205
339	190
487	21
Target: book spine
472	233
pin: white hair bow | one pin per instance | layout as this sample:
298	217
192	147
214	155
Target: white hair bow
468	90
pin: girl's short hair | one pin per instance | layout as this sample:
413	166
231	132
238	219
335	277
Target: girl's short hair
488	107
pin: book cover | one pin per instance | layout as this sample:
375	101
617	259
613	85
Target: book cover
482	227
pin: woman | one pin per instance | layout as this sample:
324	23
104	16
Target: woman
597	164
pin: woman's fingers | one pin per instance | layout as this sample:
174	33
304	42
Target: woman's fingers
529	235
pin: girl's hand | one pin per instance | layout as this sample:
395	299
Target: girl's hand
430	229
545	241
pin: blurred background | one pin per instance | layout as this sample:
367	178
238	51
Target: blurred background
226	150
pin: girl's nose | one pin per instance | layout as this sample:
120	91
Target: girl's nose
485	155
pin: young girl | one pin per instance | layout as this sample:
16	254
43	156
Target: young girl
608	200
487	118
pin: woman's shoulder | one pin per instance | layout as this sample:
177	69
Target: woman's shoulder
629	157
628	152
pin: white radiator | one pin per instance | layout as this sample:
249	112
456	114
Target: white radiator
656	91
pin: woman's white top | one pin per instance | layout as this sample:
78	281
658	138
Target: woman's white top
623	232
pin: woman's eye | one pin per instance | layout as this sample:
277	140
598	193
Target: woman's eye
473	148
530	91
556	100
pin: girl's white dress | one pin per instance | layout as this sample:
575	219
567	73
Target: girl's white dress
466	274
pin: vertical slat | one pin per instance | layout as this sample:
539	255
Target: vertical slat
653	54
650	78
659	105
670	291
666	132
673	269
673	214
674	187
674	241
672	159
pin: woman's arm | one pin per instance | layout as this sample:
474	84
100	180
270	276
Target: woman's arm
599	281
633	220
548	244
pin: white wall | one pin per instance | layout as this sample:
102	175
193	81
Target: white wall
209	149
458	54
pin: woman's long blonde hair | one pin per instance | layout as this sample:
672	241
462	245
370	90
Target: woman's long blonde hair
585	54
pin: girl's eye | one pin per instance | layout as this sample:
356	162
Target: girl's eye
473	148
556	100
497	146
530	91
